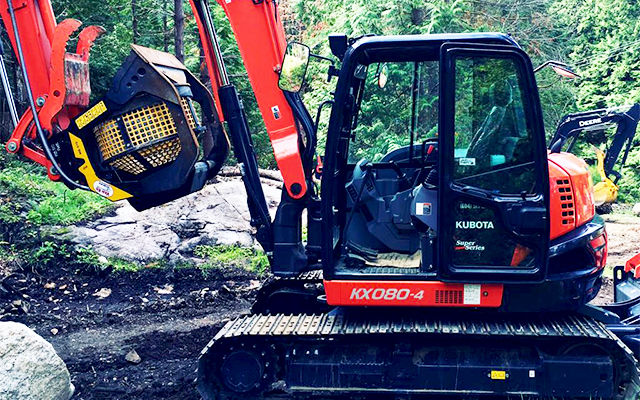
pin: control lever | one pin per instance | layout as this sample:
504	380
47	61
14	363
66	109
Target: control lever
401	175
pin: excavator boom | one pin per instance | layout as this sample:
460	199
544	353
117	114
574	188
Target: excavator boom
261	41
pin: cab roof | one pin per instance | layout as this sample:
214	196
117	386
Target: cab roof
371	49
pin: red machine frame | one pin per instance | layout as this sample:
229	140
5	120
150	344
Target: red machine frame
60	80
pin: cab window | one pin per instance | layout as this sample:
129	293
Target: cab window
494	147
402	103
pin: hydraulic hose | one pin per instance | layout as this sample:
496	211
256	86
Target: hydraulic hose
7	89
304	118
32	104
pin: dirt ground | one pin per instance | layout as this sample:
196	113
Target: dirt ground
624	237
166	316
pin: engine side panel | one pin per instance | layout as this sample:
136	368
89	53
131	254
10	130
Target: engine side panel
571	190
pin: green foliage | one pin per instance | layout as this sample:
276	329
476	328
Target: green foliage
47	253
87	256
44	202
29	202
7	255
603	38
121	265
253	260
51	252
630	182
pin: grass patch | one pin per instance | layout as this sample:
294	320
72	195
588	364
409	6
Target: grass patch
7	257
120	265
29	204
248	258
52	253
26	189
47	254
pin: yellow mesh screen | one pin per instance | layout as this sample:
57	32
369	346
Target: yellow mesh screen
148	124
109	139
129	164
187	111
144	126
162	153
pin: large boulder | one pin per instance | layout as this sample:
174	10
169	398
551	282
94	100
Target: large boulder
30	368
636	209
216	215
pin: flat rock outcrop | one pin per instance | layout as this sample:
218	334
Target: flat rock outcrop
217	215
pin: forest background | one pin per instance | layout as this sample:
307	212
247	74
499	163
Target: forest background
600	39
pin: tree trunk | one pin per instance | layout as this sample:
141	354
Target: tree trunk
178	18
165	25
134	21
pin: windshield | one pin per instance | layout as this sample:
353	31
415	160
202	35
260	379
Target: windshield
392	109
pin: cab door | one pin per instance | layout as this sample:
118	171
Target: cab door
493	167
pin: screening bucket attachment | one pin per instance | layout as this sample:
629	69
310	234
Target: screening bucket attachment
144	141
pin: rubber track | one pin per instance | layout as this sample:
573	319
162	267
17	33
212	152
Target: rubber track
273	327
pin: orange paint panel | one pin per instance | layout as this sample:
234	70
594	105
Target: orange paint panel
559	202
261	39
519	255
412	294
633	265
582	185
36	32
571	193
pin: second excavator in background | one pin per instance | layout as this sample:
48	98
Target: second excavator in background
591	127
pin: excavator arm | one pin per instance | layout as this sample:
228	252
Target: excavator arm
106	148
625	119
59	81
261	40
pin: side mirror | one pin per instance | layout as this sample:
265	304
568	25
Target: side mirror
294	67
559	68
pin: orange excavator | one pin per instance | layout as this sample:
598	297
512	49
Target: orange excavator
459	263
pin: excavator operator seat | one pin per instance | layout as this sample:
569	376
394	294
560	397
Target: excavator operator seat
496	134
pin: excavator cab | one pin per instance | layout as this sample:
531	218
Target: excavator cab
461	197
455	212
